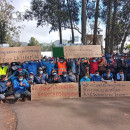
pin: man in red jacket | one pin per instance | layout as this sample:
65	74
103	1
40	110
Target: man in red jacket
94	65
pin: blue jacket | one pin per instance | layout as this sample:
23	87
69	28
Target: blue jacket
84	80
18	87
32	67
95	78
43	79
48	66
65	79
3	86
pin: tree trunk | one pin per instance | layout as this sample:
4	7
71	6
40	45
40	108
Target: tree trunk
108	26
124	39
84	17
96	23
106	41
71	23
113	27
60	32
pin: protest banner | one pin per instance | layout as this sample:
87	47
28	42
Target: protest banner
16	54
54	91
82	51
109	89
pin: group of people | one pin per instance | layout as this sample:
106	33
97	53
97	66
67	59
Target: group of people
16	78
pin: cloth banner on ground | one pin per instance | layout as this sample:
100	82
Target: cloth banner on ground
82	51
54	91
16	54
102	89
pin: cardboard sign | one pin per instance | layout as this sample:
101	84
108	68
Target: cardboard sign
16	54
109	89
54	91
82	51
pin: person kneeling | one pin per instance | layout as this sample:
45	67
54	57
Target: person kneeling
85	79
96	77
20	87
5	89
54	77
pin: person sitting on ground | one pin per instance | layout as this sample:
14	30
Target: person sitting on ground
5	89
110	73
85	79
96	77
31	80
20	87
72	77
108	76
54	77
65	77
120	76
40	78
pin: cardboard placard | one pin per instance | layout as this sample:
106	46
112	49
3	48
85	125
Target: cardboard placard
82	51
54	91
109	89
16	54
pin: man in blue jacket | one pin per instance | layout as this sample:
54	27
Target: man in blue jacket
20	87
32	66
5	90
49	65
96	77
40	78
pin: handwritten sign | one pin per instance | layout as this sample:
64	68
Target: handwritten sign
15	54
82	51
109	89
54	91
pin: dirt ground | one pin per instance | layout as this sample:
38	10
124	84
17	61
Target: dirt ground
7	118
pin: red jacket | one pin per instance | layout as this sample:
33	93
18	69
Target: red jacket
94	66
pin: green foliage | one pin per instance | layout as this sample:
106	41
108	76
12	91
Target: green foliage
8	22
33	42
48	48
128	46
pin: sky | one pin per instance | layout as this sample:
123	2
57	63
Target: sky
41	33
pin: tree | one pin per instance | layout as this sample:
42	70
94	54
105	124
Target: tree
73	14
96	23
8	22
84	20
33	42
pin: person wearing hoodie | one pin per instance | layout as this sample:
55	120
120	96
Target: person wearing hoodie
65	77
20	87
32	66
48	65
54	77
5	89
41	78
85	79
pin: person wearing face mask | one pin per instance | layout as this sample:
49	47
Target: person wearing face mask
40	78
65	77
61	66
72	77
94	65
54	77
96	77
20	88
3	69
31	79
49	65
120	76
85	79
32	66
122	65
5	89
82	68
108	76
